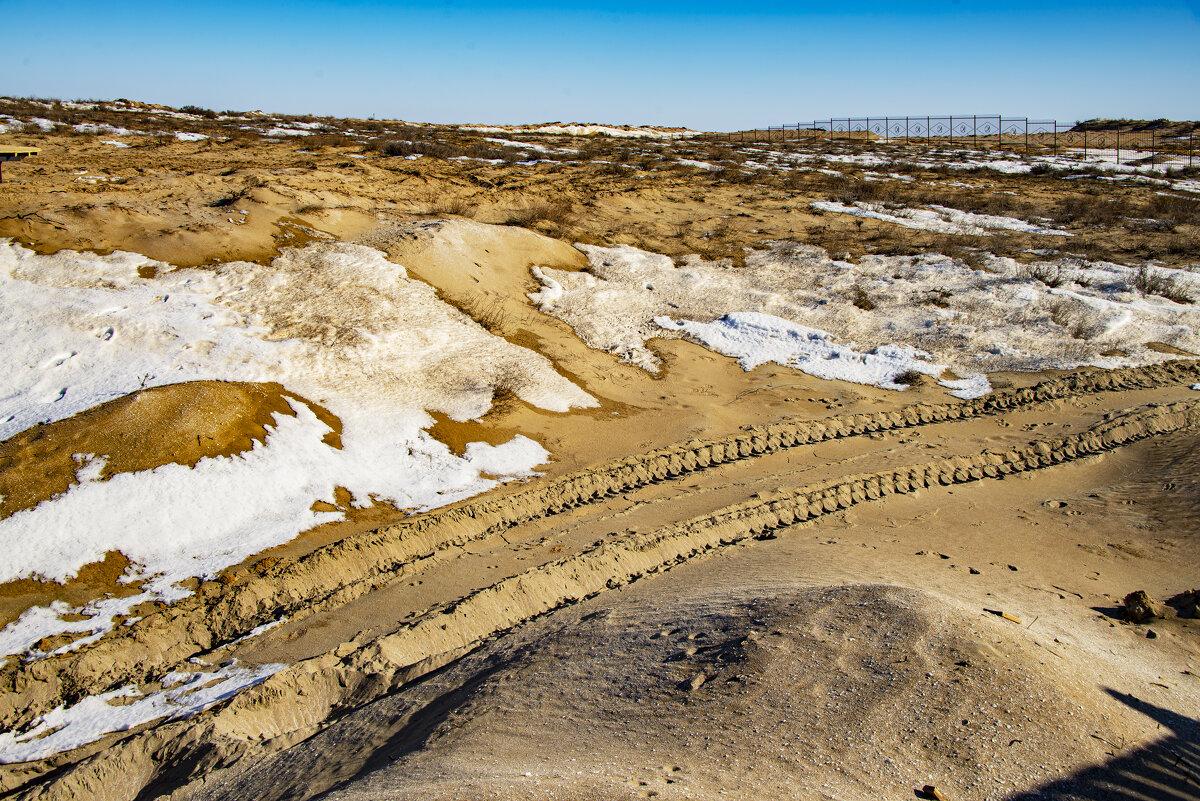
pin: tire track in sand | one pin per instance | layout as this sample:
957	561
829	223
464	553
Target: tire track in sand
294	703
222	611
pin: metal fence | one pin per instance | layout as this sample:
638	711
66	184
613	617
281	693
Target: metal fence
1151	144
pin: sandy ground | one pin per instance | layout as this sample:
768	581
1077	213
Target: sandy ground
725	584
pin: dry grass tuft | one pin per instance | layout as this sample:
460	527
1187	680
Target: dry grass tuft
1049	274
861	299
1149	281
452	207
558	212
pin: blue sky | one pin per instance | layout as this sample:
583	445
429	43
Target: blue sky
715	66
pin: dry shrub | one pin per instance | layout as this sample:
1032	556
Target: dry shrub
455	206
1049	274
1091	209
1149	281
421	145
555	212
1186	245
860	298
491	313
1080	321
207	113
1061	312
934	297
851	190
911	378
330	140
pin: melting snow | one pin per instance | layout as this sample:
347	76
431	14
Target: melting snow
183	696
937	218
338	324
972	321
584	130
755	339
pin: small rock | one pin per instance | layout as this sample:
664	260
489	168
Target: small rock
1013	568
929	791
974	572
1151	634
1139	606
697	681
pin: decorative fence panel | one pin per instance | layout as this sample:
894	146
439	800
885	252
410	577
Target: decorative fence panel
1165	144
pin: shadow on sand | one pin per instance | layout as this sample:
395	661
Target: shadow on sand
1167	769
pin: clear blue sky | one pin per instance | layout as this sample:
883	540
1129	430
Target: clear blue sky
702	64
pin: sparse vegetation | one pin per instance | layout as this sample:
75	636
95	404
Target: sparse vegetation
207	113
911	378
1150	281
452	205
860	299
556	212
1049	274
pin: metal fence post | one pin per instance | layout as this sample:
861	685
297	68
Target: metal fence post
1153	151
1026	136
1118	145
975	131
1085	140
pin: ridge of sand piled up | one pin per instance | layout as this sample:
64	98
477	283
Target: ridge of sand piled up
333	575
763	689
296	702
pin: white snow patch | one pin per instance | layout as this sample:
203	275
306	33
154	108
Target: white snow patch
277	131
973	322
188	136
753	339
939	219
65	728
114	143
100	128
704	165
530	146
337	324
586	130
